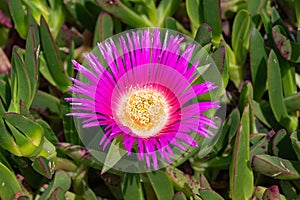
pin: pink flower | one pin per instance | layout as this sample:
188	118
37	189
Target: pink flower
144	89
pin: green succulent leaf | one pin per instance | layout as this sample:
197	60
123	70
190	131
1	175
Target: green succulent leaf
164	9
209	194
255	6
43	166
194	10
19	16
179	196
104	28
276	167
212	16
170	23
80	155
7	142
241	32
71	134
10	187
20	82
292	102
295	138
281	145
183	182
161	183
204	34
240	171
32	130
127	15
58	186
45	102
276	94
258	64
132	187
54	64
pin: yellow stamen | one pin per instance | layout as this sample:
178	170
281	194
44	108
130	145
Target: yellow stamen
145	112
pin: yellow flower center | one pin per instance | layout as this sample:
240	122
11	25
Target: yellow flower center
145	112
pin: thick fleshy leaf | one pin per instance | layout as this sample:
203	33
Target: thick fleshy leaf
212	16
209	194
297	11
4	161
204	182
79	184
246	93
203	35
104	28
45	102
276	94
261	146
259	114
164	9
161	183
57	16
43	166
85	16
64	42
240	172
127	15
132	187
219	58
288	189
194	8
295	138
236	72
179	196
10	186
80	155
54	63
20	82
19	17
7	142
44	70
288	73
258	63
216	162
255	6
170	23
241	31
276	167
28	127
292	102
288	49
183	182
61	183
5	92
281	145
70	132
31	58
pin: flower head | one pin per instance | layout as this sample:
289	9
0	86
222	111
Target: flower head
143	88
